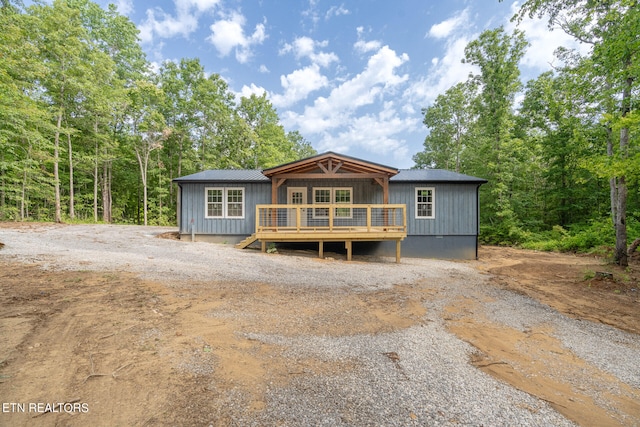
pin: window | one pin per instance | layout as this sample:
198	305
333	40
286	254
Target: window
214	203
425	203
224	202
342	196
235	202
326	196
321	196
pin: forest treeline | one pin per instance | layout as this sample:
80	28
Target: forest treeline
561	152
89	132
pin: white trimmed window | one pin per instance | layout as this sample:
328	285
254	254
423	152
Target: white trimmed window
425	203
222	202
326	196
342	196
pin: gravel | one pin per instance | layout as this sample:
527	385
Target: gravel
415	376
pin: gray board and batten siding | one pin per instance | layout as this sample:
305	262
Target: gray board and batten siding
192	204
452	233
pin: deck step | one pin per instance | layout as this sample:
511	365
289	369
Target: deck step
246	242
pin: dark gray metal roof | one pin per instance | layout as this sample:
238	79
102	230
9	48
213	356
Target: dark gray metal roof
434	175
225	175
255	175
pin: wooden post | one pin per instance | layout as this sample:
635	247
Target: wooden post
331	217
264	246
321	249
347	245
398	251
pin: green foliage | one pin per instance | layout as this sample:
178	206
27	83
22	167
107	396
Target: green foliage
578	238
89	133
560	162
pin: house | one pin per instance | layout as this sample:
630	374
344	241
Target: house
372	208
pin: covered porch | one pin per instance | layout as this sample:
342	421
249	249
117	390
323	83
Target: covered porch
331	223
330	198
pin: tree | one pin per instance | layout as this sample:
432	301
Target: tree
497	55
23	117
116	62
558	119
611	27
301	147
148	129
266	143
450	121
64	53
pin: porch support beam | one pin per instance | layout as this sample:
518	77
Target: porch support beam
384	183
276	183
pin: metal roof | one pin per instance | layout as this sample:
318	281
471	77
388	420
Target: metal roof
434	175
255	175
225	175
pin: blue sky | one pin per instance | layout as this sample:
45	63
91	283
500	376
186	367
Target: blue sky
351	76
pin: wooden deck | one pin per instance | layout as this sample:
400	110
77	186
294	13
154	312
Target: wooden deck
331	223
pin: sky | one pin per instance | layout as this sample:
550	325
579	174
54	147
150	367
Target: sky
351	76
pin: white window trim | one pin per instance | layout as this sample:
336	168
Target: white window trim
433	202
332	201
320	205
225	202
333	198
206	202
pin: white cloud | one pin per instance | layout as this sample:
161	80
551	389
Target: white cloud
125	7
445	28
444	72
377	134
364	46
263	69
306	47
543	42
336	11
159	23
247	91
335	112
204	5
228	34
299	84
312	12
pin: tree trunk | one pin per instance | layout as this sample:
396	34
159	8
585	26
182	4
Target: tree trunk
25	176
106	192
621	217
56	175
159	186
621	224
613	185
143	162
95	183
72	213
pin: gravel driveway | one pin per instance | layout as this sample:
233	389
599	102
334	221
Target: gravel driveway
418	375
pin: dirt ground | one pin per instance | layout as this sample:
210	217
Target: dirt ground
116	350
583	287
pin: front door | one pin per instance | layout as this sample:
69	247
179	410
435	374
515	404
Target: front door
297	196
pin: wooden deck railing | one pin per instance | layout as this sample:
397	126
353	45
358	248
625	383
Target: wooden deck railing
359	220
331	223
